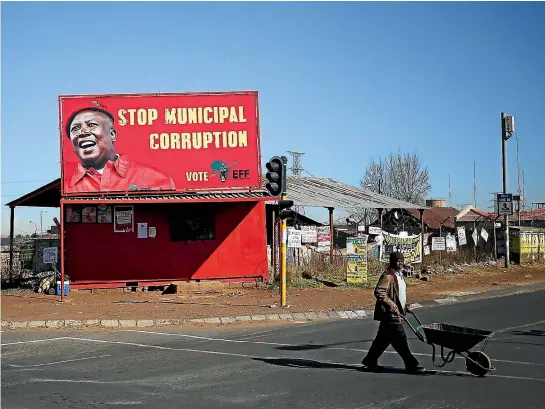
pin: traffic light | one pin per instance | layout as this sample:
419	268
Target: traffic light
284	211
276	176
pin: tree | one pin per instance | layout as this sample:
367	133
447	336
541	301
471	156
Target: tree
399	176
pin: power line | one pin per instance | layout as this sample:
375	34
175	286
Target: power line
25	181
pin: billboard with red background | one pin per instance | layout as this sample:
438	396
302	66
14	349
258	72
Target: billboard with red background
159	142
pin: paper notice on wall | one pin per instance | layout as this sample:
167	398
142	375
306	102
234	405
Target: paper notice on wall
475	237
451	243
438	244
123	219
142	232
309	234
375	230
294	238
152	232
484	234
426	250
462	240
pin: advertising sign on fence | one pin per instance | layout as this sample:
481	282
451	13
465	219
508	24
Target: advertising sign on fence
294	238
324	238
309	234
438	244
356	257
142	142
462	240
408	245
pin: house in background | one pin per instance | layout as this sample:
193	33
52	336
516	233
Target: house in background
437	219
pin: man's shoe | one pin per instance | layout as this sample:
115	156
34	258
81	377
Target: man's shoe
416	370
371	366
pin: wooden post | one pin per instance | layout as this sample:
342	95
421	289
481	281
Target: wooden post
421	233
380	217
331	234
11	234
61	252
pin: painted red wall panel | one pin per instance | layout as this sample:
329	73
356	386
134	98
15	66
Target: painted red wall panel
94	253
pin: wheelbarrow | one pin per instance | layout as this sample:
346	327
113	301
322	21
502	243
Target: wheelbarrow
460	340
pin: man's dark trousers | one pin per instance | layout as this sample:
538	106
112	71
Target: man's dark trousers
394	334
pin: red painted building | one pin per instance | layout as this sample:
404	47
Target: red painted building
178	239
159	188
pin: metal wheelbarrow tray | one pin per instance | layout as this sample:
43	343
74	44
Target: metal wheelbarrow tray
460	340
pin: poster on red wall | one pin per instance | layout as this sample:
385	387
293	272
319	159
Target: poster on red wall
123	219
159	142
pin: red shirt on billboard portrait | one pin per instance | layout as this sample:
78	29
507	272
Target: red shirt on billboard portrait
121	175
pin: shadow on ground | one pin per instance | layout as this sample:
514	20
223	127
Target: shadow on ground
307	363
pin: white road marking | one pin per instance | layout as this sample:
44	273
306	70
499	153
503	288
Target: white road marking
201	351
520	326
241	341
33	341
58	362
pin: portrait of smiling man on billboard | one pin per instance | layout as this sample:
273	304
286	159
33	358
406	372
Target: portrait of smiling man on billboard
92	135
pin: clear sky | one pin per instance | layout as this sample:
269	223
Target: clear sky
342	82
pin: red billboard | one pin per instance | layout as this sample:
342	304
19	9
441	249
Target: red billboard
159	142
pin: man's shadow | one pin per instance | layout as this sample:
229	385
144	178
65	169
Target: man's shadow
308	363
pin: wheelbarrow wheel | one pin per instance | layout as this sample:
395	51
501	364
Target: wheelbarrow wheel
481	359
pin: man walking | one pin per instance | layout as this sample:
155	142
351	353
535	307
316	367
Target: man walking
391	294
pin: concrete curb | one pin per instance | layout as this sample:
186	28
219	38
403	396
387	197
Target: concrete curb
276	317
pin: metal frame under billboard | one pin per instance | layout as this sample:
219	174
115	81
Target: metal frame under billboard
256	156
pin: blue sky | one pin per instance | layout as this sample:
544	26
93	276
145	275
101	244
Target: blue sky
343	82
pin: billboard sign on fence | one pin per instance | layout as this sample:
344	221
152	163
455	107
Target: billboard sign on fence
171	142
408	245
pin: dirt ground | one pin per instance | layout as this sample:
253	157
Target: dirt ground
23	306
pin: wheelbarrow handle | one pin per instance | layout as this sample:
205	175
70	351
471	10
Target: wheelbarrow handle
415	316
415	330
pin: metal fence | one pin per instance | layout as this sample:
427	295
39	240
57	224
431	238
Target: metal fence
27	266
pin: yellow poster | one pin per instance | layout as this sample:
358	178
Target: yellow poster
356	269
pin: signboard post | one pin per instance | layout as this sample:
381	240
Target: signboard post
505	204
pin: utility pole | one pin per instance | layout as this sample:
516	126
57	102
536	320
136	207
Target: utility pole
449	193
474	185
518	178
507	130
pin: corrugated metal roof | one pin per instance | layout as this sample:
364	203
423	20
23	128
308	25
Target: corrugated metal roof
327	192
186	197
476	215
436	217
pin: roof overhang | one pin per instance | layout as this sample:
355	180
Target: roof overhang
193	197
46	196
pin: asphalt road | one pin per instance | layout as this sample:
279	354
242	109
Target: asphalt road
299	366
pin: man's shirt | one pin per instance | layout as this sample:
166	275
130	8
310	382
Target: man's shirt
120	175
402	288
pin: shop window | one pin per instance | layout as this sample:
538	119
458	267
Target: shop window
191	223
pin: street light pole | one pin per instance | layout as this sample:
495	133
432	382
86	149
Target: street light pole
41	224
